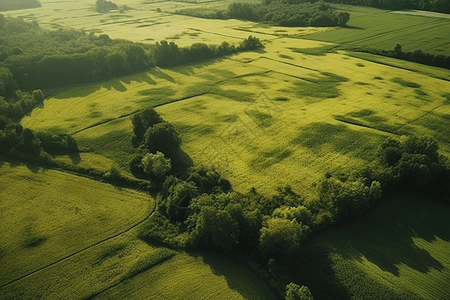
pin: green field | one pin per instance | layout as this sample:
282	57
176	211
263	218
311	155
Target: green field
281	116
47	215
195	276
230	112
374	28
401	250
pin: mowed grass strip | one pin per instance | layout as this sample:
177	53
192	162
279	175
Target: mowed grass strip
194	276
47	215
401	250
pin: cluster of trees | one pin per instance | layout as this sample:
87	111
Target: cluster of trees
417	56
280	13
18	4
432	5
103	6
39	58
199	210
157	146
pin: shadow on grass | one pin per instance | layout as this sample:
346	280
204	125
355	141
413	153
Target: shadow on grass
386	237
238	275
75	157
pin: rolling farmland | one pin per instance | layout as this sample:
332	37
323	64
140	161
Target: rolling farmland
285	115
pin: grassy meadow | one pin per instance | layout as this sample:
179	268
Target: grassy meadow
294	109
47	215
281	116
194	276
398	251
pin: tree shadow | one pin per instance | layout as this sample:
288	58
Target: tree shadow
238	275
354	27
75	157
160	74
33	168
114	84
387	237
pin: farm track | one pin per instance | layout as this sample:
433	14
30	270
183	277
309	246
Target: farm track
149	215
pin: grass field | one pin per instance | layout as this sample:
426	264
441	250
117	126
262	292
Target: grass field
47	215
401	250
374	28
194	276
294	109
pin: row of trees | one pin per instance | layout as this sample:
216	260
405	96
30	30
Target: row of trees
279	13
432	5
417	56
40	58
18	4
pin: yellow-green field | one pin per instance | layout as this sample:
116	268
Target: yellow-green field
282	116
401	249
47	215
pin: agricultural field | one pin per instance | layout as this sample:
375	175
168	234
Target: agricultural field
285	115
400	250
48	215
260	114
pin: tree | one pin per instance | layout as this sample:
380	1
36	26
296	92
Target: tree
343	18
295	292
281	238
162	137
156	165
398	48
141	122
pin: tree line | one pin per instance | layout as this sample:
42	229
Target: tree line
442	6
418	56
18	4
279	13
39	58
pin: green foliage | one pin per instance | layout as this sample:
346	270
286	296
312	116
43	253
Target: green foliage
18	4
295	292
282	13
156	165
281	238
103	6
141	122
162	137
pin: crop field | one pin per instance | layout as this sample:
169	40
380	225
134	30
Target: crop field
47	215
399	251
281	116
194	276
294	108
374	28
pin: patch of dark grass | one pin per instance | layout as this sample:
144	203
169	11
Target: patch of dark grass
234	94
322	87
362	113
34	241
319	51
228	118
149	261
281	99
446	96
360	65
95	114
420	92
406	83
378	78
262	119
269	158
361	83
110	251
285	56
340	137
